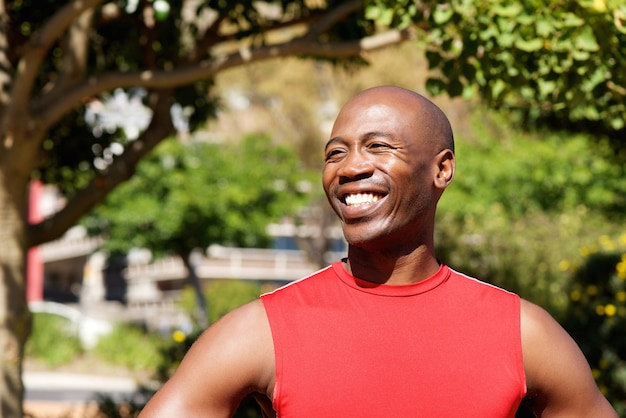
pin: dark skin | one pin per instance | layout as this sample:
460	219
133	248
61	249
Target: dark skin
389	158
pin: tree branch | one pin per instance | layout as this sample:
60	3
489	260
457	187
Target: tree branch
333	17
121	170
160	79
212	37
75	53
39	46
5	62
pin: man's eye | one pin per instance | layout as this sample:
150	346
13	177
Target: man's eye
333	153
380	145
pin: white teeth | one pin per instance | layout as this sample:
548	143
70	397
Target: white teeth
361	199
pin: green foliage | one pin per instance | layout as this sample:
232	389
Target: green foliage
556	63
53	340
549	172
190	196
596	317
222	296
520	204
226	295
172	353
131	347
398	14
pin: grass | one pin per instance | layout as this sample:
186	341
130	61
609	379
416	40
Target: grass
53	340
54	343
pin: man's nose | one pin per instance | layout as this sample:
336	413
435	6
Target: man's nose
355	166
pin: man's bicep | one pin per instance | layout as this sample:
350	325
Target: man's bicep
559	379
232	358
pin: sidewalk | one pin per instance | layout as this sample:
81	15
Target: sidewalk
71	395
48	409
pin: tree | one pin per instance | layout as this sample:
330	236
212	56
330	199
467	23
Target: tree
185	197
521	203
57	56
556	64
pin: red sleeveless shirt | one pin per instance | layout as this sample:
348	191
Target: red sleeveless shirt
447	346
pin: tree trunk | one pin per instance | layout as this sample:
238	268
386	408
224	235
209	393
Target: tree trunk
15	318
201	312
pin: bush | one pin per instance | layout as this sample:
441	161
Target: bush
222	296
596	317
522	203
131	347
53	340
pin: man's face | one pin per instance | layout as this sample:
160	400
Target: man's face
378	174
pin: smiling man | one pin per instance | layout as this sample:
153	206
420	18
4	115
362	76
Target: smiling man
388	331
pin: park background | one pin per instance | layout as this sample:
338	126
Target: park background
537	206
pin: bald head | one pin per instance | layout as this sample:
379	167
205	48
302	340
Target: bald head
415	108
388	160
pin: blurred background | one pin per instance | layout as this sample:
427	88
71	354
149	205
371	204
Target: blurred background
140	235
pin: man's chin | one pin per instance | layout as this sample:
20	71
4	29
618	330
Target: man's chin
365	241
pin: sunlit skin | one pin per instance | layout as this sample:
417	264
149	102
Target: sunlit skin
388	160
382	146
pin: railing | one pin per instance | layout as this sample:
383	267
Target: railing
226	262
69	248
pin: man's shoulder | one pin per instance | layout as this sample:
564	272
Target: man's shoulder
248	316
463	279
312	279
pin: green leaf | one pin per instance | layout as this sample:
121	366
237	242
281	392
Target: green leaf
442	14
617	123
507	39
571	20
586	40
435	86
497	88
489	32
529	45
510	10
372	12
546	87
469	91
544	27
525	20
580	55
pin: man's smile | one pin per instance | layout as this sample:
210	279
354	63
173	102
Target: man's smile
357	199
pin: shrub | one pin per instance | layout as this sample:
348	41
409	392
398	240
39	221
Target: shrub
596	317
131	347
53	340
222	296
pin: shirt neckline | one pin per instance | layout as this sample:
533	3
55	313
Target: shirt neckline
425	285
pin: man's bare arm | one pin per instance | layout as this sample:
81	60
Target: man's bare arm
233	358
559	380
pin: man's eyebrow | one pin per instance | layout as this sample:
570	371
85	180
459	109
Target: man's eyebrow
378	134
332	141
364	137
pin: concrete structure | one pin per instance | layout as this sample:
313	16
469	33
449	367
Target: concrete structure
139	289
75	271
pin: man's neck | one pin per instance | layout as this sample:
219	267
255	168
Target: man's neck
391	269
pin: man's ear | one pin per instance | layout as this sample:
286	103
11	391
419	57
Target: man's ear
446	164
